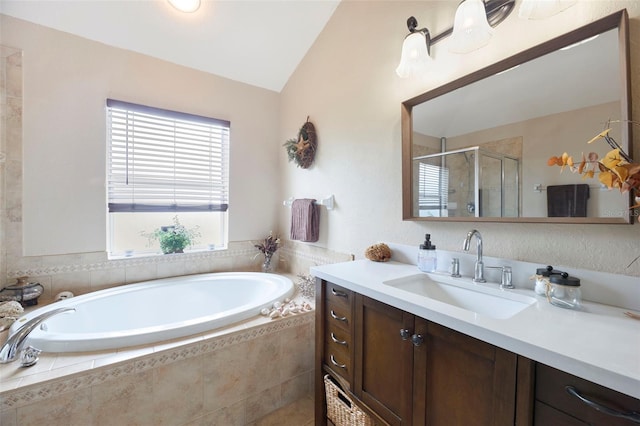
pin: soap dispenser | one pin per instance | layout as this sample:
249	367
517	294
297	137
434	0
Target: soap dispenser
427	257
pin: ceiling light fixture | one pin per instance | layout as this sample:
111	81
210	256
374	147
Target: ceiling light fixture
187	6
541	9
471	30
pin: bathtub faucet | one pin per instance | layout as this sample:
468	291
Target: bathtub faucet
15	342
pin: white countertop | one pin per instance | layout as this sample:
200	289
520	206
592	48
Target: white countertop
597	343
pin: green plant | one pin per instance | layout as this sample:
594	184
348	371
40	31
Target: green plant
173	239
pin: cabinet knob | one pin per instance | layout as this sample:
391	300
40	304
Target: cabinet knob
405	334
417	339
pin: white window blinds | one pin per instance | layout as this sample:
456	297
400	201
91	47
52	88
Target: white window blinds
166	161
433	187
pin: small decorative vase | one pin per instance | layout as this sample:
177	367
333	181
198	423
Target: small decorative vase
266	265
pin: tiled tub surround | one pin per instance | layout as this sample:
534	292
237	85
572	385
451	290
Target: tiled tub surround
231	376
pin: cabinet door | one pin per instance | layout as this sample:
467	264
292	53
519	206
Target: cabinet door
383	364
462	381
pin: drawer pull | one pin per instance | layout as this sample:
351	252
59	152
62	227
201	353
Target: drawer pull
630	415
338	293
336	363
335	340
335	316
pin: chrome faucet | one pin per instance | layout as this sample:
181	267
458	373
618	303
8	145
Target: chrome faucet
478	274
15	342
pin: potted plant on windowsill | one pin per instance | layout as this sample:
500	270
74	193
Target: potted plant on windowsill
174	238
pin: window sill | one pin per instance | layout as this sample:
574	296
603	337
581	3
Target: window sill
140	255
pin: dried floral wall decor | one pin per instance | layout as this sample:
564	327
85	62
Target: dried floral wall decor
303	149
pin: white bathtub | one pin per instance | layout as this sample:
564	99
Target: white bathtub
153	311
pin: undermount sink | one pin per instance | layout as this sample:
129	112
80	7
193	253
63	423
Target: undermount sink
463	293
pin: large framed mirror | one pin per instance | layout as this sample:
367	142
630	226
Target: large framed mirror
476	149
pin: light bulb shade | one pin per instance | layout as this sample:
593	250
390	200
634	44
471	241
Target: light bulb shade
187	6
471	30
541	9
415	55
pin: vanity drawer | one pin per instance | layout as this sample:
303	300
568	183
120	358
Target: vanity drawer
338	359
339	337
339	296
337	315
551	389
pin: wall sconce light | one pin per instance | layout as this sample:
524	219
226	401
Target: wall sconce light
472	29
540	9
415	50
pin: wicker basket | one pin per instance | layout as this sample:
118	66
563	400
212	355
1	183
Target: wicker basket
341	410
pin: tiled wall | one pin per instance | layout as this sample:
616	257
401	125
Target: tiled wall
10	148
232	379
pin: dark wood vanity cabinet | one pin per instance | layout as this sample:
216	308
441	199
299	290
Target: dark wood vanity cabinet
414	372
406	371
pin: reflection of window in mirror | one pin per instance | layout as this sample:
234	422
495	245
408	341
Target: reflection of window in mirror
433	190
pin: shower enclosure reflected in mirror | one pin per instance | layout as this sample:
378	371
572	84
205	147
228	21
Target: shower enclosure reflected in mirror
476	149
470	182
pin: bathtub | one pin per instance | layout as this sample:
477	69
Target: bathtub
154	311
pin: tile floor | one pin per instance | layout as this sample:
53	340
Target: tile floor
298	413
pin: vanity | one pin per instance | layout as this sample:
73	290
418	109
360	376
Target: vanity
409	357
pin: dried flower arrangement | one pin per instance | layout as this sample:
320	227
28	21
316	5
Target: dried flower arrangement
269	246
615	170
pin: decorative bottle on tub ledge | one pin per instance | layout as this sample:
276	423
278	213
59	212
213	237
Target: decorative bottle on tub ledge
427	256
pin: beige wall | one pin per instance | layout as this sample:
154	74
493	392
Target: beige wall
66	82
348	87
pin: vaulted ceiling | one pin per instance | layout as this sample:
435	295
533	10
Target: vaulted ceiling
258	42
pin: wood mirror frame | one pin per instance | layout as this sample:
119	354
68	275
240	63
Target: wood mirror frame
617	20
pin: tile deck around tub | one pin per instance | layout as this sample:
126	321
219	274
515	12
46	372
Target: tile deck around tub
58	372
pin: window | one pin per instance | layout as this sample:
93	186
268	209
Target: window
433	190
164	165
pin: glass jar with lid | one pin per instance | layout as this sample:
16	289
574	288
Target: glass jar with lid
542	279
564	291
